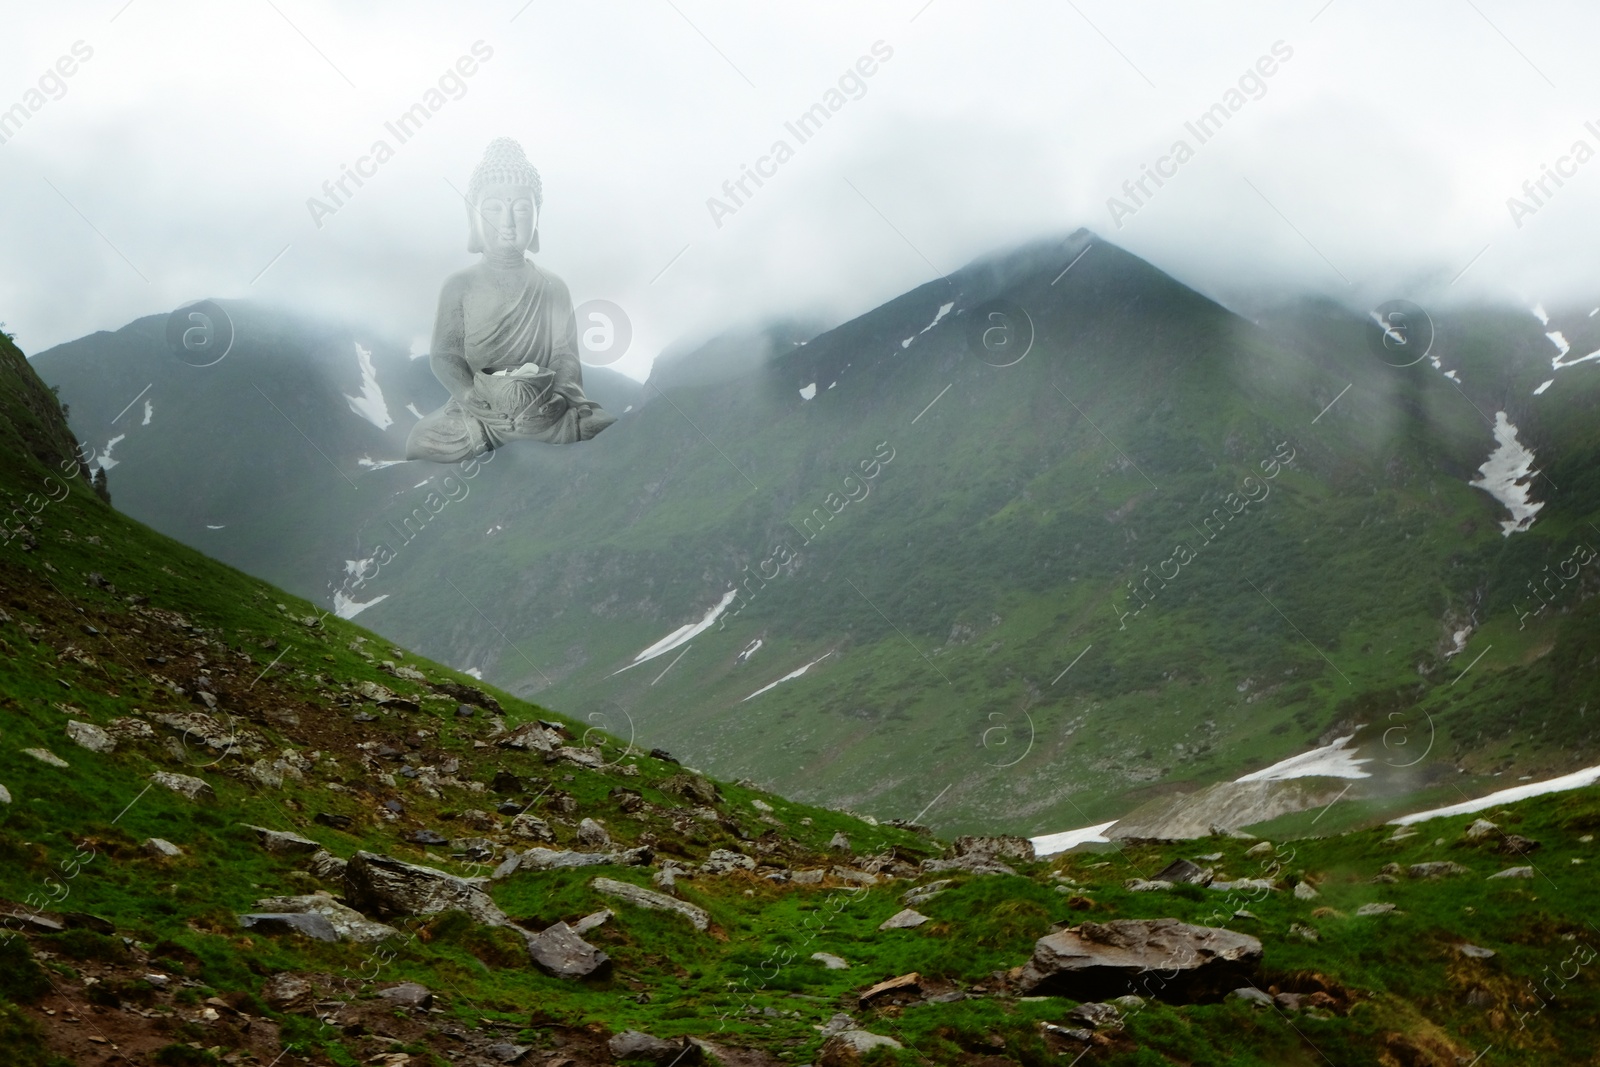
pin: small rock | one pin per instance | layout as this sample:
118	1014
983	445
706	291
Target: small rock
1287	1001
280	842
408	995
839	842
906	983
924	893
592	835
761	805
427	837
337	822
160	847
830	961
326	866
1436	869
635	1045
184	785
847	1046
465	711
1480	829
1518	844
44	755
1304	933
89	736
1182	872
286	992
1262	849
1514	872
1095	1015
561	953
532	828
723	860
1305	891
1474	952
1251	995
903	920
1374	909
589	922
5	795
1140	885
662	754
507	1053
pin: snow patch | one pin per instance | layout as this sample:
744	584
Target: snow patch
413	409
1329	761
346	608
1540	314
1051	844
749	650
149	413
377	464
791	676
1576	780
809	391
370	404
496	528
944	309
1503	475
210	527
1543	386
473	672
104	459
1562	347
1558	363
683	634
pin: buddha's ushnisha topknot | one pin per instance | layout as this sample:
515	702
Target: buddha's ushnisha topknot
504	163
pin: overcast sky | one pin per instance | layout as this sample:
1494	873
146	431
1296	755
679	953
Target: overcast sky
1376	161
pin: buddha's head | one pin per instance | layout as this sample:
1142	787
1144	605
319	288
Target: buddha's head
503	201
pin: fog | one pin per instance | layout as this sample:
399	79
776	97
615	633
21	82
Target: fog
1377	159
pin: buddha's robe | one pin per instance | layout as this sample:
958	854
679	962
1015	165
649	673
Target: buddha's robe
521	344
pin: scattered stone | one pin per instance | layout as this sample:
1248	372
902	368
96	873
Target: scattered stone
906	983
1096	1015
1287	1001
845	1048
1514	872
646	898
1374	909
337	822
723	860
1089	961
284	992
807	877
280	842
1401	834
592	835
128	728
691	787
761	806
662	754
850	874
1251	995
1436	869
309	923
162	848
348	923
1304	933
44	755
1517	844
922	894
427	837
1474	952
547	859
408	995
1141	885
839	842
89	736
531	736
992	848
634	1045
465	711
532	828
903	920
184	785
388	887
1182	872
1305	891
507	1053
1262	849
1243	885
830	961
1480	829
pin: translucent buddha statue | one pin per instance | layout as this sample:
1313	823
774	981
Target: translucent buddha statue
505	342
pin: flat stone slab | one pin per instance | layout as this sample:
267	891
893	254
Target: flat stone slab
308	923
561	953
903	920
387	887
648	898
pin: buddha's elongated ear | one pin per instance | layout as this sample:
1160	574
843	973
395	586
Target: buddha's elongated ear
533	245
474	229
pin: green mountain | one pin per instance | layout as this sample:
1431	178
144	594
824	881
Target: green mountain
1116	544
235	829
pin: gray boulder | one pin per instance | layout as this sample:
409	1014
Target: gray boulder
309	923
561	953
184	785
408	995
547	859
348	923
723	860
592	835
1436	869
283	843
1163	958
89	736
387	887
846	1047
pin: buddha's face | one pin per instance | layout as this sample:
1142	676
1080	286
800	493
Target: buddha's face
507	219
